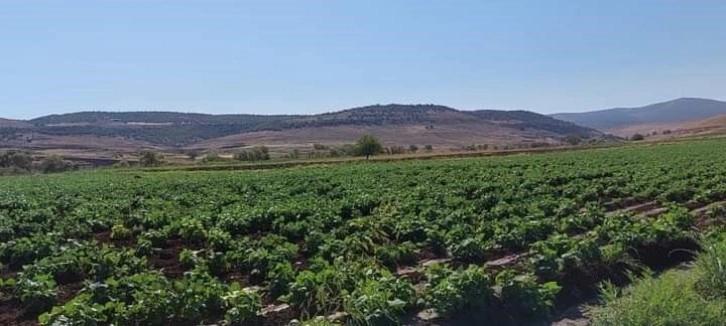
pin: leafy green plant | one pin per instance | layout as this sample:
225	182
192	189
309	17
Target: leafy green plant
120	232
523	297
37	294
453	291
378	301
241	306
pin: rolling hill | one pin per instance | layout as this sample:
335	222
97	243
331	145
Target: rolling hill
395	124
8	123
710	126
659	115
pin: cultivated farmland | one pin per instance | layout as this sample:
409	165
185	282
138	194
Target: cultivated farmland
505	239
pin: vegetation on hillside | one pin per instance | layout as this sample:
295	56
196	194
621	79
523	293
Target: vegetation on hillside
180	129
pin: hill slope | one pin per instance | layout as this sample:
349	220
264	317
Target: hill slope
675	111
9	123
395	123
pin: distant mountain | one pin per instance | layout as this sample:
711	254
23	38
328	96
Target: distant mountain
398	124
675	111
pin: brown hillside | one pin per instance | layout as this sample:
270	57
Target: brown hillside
715	122
446	135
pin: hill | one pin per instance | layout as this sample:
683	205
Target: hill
9	123
665	113
710	126
395	124
715	122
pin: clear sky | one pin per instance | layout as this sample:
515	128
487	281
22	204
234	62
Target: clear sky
301	56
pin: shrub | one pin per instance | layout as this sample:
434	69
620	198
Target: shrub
16	159
669	299
149	158
192	155
572	139
258	153
637	137
395	150
710	269
122	164
55	164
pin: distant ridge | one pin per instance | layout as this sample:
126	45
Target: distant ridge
9	123
675	111
397	123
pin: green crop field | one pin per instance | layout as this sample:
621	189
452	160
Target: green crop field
507	239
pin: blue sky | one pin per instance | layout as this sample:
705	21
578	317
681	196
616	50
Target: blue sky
296	56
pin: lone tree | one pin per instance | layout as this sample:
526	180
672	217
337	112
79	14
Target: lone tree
149	158
637	137
367	145
572	139
192	155
56	164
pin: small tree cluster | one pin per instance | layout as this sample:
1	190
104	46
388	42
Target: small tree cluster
149	158
212	157
394	150
572	139
192	155
258	153
56	164
16	160
319	147
475	147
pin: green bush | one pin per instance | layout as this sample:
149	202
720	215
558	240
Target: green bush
710	269
257	153
56	164
149	158
669	299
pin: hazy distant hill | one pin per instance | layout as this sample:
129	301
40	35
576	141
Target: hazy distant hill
8	123
531	120
402	124
412	124
675	111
